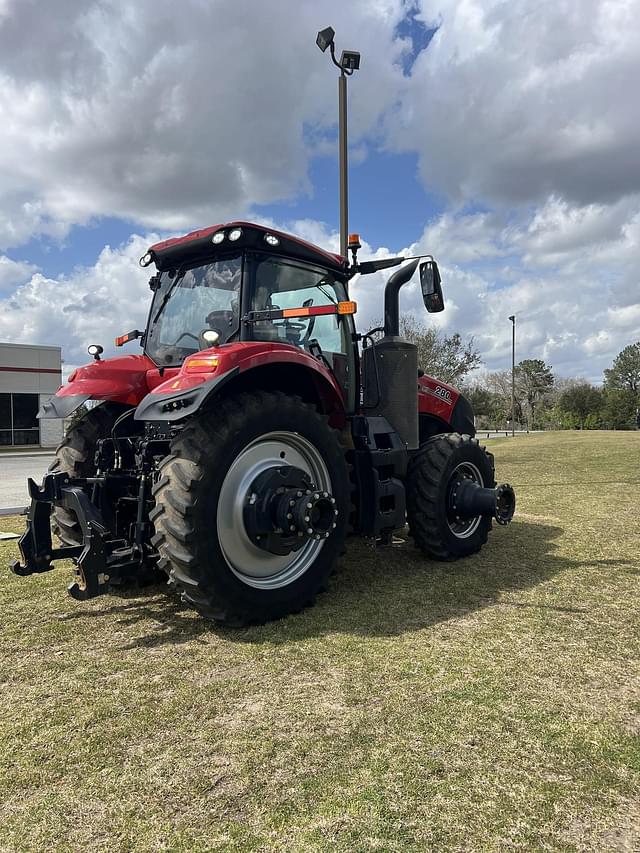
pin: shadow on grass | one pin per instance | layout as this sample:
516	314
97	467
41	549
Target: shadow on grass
376	592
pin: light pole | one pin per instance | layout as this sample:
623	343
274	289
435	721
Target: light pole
513	374
349	62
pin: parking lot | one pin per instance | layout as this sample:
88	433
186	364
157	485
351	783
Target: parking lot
14	470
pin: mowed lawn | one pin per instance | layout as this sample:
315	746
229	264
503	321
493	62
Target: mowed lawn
488	705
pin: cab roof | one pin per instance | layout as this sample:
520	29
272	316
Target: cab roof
176	250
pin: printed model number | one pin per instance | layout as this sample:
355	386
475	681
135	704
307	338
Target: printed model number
443	392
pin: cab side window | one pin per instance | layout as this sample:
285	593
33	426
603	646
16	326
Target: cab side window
281	284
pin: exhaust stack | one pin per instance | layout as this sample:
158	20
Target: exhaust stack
392	298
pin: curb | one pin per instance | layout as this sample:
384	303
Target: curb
26	455
12	510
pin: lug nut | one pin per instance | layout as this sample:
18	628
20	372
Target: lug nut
289	515
292	527
309	531
309	505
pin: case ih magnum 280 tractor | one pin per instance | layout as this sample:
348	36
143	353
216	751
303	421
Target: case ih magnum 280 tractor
258	429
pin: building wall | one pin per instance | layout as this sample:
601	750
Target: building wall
28	369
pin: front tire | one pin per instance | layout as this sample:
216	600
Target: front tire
201	532
433	473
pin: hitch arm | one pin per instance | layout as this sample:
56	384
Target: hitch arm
36	546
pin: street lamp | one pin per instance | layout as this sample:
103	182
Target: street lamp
348	63
513	374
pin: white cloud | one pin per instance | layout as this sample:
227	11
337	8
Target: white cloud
92	305
13	273
573	321
514	102
524	114
173	117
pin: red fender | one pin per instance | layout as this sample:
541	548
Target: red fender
436	398
123	379
239	358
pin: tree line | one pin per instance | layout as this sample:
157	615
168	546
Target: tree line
543	400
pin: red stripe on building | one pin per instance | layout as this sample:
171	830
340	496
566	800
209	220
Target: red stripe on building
30	370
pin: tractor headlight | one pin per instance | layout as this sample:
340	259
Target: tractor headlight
217	238
236	234
145	260
271	240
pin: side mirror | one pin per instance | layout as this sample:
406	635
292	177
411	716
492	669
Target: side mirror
430	283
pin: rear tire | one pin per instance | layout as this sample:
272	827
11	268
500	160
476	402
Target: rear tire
75	457
430	478
203	543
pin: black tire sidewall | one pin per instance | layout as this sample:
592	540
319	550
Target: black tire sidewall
215	574
473	453
433	530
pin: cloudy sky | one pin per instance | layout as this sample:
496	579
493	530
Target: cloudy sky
502	137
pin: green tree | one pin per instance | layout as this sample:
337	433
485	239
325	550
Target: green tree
619	409
487	406
581	400
499	383
482	400
447	358
534	379
624	373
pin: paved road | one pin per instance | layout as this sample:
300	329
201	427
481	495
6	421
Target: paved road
14	470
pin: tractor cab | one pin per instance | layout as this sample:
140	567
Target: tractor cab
244	283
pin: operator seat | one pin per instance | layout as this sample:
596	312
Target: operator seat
266	285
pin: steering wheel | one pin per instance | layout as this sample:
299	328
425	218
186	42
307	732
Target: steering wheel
185	335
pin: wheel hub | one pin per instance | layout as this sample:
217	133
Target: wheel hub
283	510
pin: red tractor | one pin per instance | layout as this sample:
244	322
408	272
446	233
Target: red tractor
256	431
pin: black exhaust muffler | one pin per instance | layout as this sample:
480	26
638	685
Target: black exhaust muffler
470	500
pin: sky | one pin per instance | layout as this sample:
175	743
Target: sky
501	137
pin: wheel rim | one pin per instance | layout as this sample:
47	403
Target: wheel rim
462	528
252	565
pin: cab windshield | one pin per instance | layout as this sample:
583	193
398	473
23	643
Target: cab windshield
190	302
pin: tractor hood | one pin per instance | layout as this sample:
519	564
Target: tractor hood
125	379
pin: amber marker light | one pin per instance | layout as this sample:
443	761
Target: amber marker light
201	363
347	307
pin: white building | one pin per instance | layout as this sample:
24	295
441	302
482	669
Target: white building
29	375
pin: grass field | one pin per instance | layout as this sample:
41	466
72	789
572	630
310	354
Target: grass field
489	705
